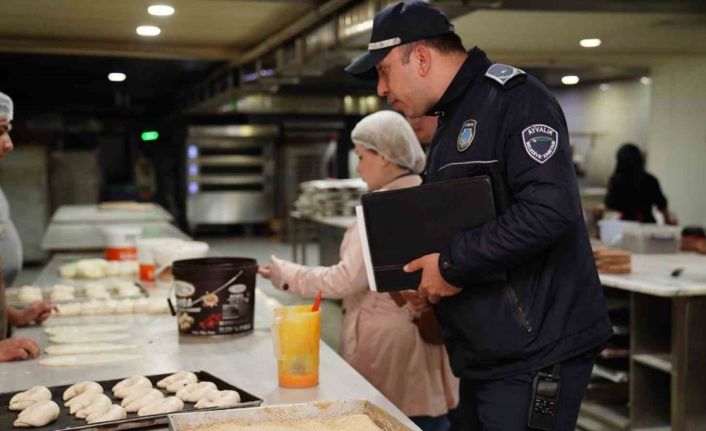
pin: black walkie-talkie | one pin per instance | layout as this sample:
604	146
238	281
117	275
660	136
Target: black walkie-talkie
545	398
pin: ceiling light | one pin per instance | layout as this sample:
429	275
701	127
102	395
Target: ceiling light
570	80
604	87
117	77
590	43
160	10
645	80
148	30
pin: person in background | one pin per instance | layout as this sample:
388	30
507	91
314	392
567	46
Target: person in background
633	191
11	263
379	337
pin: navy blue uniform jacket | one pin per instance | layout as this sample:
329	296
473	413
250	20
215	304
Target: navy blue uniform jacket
530	295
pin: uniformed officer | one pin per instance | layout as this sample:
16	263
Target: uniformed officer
519	299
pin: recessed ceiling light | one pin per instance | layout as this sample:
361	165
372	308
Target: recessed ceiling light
117	77
570	80
148	30
590	43
645	80
160	10
604	87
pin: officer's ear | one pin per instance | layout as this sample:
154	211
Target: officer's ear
422	58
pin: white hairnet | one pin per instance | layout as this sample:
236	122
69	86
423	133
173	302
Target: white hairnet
6	107
389	134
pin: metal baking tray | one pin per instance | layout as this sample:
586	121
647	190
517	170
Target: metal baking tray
66	421
195	421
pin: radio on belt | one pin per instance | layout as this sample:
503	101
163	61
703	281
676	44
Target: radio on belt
545	396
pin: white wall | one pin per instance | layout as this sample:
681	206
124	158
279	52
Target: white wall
616	115
676	142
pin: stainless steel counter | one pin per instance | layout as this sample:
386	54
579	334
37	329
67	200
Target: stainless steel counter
247	361
94	214
88	236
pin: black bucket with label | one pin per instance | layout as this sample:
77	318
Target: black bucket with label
215	295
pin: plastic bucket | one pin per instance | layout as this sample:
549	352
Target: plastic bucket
215	295
121	242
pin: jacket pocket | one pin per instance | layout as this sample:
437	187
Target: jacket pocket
485	325
518	311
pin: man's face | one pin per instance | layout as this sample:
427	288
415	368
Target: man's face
398	82
5	141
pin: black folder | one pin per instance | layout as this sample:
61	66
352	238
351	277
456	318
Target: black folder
398	226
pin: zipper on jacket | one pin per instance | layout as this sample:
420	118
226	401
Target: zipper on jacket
517	309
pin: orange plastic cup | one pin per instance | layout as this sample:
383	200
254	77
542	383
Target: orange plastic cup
296	334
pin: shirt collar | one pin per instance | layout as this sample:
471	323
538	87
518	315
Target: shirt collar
476	64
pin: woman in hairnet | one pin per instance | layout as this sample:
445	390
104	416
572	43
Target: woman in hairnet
378	336
11	263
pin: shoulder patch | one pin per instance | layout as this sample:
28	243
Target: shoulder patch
541	142
503	73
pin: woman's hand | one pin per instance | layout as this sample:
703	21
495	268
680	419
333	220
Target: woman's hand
265	271
273	271
14	349
37	312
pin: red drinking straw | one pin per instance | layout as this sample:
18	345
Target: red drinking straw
317	301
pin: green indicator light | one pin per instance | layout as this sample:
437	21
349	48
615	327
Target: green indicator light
151	135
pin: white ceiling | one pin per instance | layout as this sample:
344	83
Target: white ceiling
546	38
218	28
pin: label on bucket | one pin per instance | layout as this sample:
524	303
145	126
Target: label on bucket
207	308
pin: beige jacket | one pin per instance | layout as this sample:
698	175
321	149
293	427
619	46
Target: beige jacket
378	338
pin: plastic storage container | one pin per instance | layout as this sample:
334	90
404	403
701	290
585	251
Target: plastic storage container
121	242
652	239
611	231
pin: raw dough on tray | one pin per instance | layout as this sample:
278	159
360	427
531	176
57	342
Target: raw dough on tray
114	413
38	415
162	406
81	387
135	402
193	392
125	387
216	398
97	408
22	400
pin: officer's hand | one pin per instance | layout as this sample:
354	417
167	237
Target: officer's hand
433	286
416	302
37	312
14	349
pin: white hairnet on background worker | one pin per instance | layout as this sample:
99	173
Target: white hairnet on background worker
6	107
389	133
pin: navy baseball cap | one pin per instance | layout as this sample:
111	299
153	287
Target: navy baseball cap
404	22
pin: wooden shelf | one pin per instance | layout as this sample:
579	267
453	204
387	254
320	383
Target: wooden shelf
616	376
663	428
658	361
613	417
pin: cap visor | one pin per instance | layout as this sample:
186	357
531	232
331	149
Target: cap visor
363	67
